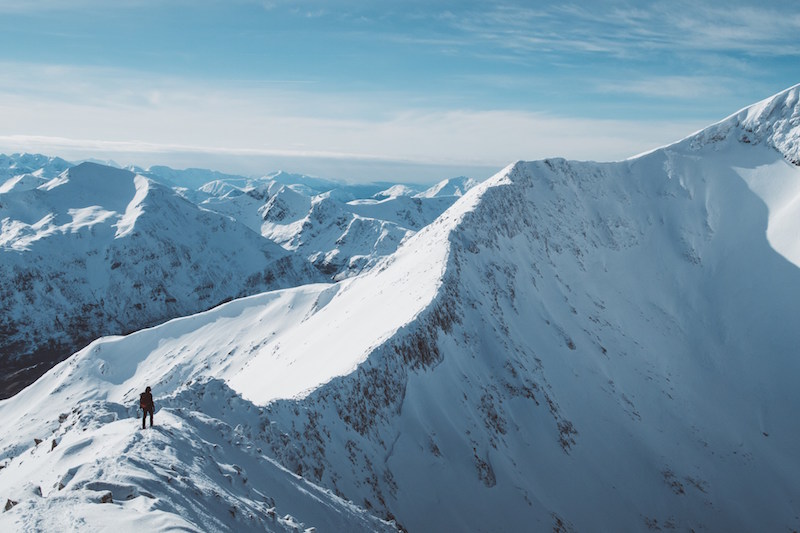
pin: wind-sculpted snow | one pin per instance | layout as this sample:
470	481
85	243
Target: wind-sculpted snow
569	347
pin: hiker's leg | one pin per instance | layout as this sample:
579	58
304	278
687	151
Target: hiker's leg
144	417
151	418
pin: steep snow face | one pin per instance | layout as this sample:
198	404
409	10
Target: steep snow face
91	194
284	208
598	356
243	205
773	123
220	188
777	185
97	251
21	182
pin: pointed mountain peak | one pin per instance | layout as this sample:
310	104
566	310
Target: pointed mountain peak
774	122
90	170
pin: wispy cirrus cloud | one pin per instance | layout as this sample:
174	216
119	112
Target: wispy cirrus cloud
672	87
667	51
762	30
625	29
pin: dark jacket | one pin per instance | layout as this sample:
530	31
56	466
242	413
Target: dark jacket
146	401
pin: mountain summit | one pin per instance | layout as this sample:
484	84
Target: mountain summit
773	122
570	346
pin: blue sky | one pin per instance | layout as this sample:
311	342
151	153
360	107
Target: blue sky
398	90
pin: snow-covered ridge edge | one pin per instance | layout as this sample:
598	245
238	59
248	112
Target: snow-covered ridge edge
408	291
774	122
354	411
98	360
101	381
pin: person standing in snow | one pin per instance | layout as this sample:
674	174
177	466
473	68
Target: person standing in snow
147	405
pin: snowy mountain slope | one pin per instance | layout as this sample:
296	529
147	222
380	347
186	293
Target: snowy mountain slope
28	171
342	229
97	251
190	472
241	204
775	123
343	239
570	346
395	191
406	211
179	359
449	187
286	206
609	353
41	165
335	247
183	360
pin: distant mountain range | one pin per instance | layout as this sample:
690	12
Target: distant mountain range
93	250
568	346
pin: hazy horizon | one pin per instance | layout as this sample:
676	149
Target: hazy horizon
409	91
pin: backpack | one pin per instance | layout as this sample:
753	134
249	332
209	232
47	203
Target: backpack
142	402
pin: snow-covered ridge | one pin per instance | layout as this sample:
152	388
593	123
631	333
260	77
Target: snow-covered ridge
91	193
180	357
774	122
585	313
37	164
41	210
28	171
305	320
